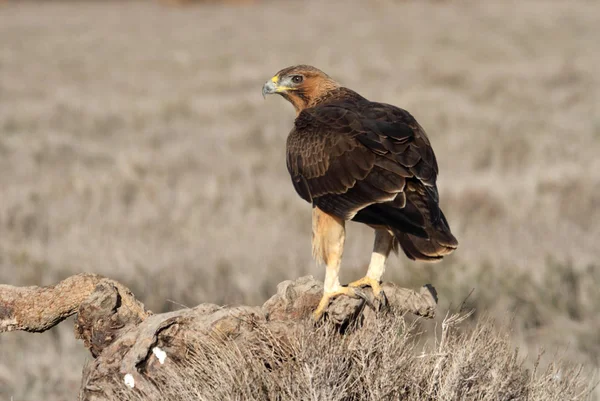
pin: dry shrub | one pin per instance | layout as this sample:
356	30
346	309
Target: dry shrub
381	362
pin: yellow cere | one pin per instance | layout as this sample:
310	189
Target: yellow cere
275	79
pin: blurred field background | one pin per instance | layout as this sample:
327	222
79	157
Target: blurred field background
134	143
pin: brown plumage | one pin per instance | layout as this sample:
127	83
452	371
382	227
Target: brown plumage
363	161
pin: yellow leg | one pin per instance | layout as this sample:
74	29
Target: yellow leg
381	251
329	234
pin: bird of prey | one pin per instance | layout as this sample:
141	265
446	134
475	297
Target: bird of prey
354	159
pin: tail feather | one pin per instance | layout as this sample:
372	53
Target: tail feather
419	226
440	242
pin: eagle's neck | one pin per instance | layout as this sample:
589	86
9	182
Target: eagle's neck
301	100
314	93
334	95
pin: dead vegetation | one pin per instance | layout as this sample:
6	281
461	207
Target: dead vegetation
277	352
381	362
134	143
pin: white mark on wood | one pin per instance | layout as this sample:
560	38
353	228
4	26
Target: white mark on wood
129	380
160	354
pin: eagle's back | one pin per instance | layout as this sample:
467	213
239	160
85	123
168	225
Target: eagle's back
372	163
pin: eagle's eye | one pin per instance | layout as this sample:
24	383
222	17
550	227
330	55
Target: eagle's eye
297	79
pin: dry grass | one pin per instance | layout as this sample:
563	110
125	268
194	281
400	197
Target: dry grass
134	143
383	362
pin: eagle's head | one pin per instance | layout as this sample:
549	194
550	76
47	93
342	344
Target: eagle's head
301	85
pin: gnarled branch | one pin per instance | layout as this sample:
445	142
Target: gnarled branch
37	309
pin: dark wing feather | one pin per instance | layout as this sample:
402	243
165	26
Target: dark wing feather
372	163
347	155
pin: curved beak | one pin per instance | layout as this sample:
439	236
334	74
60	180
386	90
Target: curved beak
269	88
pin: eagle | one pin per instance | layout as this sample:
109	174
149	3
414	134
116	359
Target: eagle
358	160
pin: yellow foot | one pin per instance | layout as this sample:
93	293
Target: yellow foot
368	282
328	296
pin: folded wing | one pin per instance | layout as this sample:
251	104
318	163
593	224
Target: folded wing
372	163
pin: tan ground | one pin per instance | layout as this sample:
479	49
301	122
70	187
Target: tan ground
134	143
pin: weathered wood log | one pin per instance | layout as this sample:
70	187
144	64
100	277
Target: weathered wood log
130	345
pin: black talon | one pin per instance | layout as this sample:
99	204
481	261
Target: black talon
364	297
